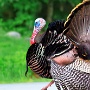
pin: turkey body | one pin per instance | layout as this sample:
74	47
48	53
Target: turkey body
38	54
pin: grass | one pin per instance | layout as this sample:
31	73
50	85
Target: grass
13	61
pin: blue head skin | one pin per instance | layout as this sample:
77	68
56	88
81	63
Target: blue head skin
37	24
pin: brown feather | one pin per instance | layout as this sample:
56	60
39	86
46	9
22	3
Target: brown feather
78	28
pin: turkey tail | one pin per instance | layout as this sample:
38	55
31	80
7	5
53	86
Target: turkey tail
77	28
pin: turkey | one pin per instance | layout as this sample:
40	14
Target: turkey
62	50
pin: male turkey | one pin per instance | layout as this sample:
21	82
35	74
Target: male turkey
39	52
60	45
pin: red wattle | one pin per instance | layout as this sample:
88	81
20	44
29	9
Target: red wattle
32	40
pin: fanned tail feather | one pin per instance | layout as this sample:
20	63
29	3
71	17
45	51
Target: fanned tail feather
77	28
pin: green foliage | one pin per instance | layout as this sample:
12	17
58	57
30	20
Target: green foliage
63	8
13	61
19	15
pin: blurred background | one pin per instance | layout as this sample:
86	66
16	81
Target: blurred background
16	26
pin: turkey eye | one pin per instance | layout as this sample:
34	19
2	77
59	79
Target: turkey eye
37	24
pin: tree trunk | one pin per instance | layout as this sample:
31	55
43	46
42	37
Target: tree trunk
50	11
